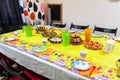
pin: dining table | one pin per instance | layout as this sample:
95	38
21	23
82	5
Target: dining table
58	62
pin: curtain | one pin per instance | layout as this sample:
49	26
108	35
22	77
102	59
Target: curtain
33	11
14	13
10	15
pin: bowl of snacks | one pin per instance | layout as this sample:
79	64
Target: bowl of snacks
93	45
41	29
52	34
45	34
75	39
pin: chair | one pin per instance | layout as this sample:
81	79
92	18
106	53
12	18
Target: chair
82	27
106	30
1	28
58	25
22	74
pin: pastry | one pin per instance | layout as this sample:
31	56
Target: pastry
93	45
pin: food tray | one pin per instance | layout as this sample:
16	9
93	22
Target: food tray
54	41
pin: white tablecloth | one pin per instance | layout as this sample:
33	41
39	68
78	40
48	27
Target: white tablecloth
38	65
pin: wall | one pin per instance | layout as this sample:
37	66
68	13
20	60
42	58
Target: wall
104	13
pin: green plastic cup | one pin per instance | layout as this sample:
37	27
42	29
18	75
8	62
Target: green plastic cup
23	28
28	30
65	38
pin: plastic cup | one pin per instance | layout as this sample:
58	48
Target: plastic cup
65	38
109	46
44	42
83	54
118	66
23	28
28	31
88	33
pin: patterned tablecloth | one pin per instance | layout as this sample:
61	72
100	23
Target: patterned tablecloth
56	61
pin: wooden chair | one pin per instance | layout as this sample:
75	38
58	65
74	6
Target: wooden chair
58	25
105	30
78	26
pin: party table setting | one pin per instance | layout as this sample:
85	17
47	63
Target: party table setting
63	53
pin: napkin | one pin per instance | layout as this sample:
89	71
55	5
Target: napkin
48	52
89	72
96	35
12	41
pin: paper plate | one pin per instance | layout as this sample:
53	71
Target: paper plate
71	31
39	48
9	39
81	65
117	39
96	35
